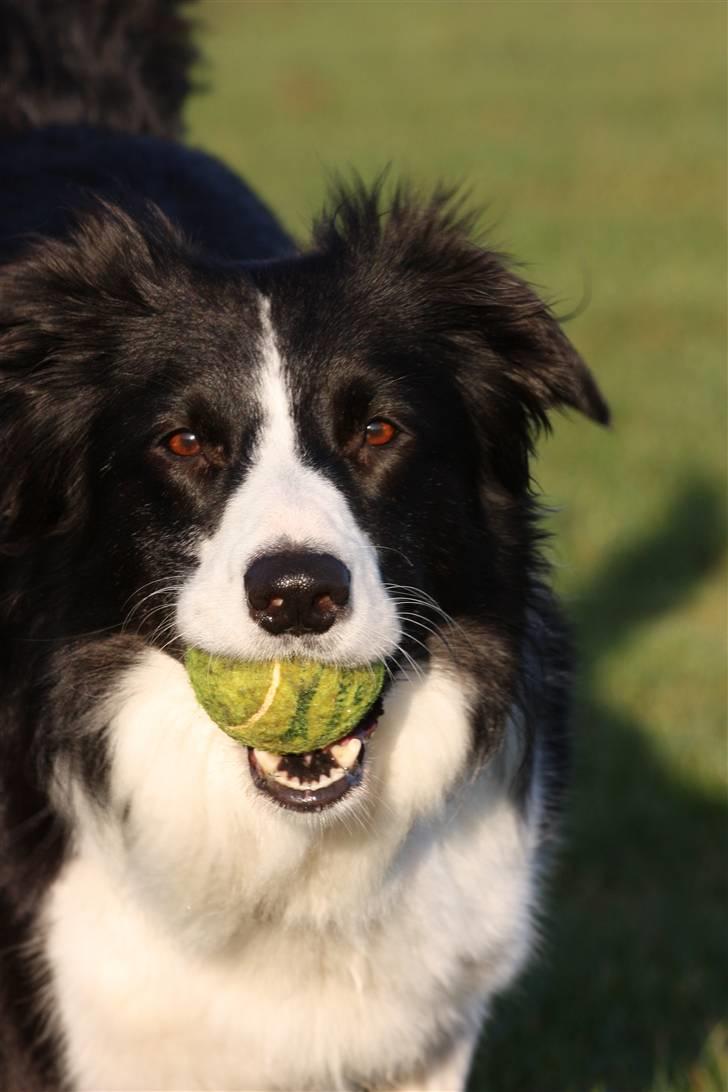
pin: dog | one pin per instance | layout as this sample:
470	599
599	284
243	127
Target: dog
213	439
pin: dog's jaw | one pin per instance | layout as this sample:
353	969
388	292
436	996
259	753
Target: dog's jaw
195	827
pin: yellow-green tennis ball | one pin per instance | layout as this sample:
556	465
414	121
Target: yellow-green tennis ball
287	706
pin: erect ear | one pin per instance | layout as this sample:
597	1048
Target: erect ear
62	308
511	359
464	296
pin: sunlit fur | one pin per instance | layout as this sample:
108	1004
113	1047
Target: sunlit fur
164	924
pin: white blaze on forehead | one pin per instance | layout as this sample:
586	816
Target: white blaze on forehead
283	503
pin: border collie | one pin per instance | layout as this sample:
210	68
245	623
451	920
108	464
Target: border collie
199	418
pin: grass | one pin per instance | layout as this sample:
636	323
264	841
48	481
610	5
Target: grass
595	133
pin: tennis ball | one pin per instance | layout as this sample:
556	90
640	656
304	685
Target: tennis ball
287	706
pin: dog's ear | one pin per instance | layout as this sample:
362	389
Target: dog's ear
517	364
512	360
522	332
62	307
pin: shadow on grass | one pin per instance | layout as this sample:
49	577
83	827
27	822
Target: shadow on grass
633	973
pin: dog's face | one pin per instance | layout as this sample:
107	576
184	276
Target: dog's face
324	457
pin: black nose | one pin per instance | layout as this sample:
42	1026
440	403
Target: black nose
297	592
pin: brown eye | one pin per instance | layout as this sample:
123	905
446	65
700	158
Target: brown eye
379	432
183	443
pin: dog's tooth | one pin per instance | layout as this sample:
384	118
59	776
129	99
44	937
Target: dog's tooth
328	779
291	782
267	761
347	753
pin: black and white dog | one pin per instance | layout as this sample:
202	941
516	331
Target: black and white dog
212	439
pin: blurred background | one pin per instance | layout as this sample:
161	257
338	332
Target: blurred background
594	135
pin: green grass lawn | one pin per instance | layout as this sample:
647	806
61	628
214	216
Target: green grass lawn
595	133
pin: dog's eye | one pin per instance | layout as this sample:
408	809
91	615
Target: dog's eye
183	443
379	432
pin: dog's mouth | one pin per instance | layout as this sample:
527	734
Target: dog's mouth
317	779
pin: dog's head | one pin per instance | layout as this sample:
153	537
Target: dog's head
322	457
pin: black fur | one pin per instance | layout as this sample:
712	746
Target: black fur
133	309
116	66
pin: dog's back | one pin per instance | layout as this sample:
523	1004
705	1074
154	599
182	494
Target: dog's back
90	105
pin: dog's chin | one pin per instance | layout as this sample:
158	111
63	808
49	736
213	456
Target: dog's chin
315	781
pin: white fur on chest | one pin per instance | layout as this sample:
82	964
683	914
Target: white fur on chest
215	943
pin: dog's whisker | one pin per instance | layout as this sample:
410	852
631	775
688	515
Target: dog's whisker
143	615
168	589
437	634
174	574
421	596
